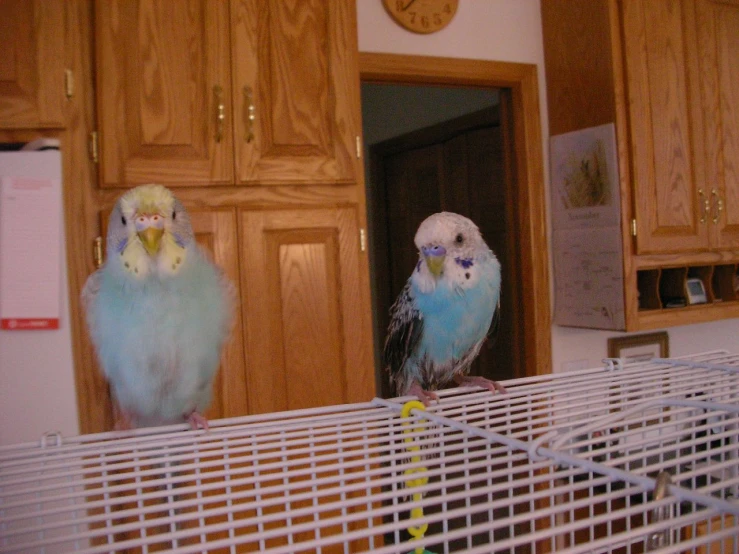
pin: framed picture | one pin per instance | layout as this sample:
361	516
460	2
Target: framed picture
639	348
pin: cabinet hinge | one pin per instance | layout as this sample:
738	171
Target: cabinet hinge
68	83
359	147
94	146
362	240
633	227
97	251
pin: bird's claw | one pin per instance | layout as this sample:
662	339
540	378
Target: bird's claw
425	396
478	381
196	421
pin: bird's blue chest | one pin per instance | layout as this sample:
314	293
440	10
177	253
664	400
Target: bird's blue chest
454	319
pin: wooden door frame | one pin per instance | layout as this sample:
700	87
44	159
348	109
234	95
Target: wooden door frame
520	107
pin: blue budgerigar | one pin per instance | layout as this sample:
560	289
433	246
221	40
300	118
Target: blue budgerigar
159	312
445	311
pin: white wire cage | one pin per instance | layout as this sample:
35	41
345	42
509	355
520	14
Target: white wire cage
626	458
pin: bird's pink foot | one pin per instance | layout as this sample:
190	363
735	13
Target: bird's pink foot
196	420
123	420
477	381
425	396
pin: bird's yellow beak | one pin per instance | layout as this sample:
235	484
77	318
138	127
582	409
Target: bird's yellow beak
151	237
435	264
434	256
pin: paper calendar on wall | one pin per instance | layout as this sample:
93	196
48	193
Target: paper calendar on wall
30	239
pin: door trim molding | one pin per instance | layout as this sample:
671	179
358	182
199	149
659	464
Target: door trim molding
520	98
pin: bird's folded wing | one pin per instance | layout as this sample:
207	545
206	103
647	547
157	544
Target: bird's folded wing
404	332
492	335
89	295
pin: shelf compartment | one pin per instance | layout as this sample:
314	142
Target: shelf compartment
648	286
722	283
672	287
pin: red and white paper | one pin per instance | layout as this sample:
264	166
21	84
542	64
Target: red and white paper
30	247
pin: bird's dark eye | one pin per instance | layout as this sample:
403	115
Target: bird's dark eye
459	239
123	219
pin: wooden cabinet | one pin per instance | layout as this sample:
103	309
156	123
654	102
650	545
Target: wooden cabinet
32	72
718	49
671	194
163	83
214	92
295	82
663	72
683	108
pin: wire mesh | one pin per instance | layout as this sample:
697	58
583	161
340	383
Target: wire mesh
631	458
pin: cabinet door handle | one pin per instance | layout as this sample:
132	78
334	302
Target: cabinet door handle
250	115
718	206
220	111
703	199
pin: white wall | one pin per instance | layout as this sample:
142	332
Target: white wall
510	30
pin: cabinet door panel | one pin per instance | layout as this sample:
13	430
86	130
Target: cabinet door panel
158	65
306	309
294	71
718	35
32	63
666	126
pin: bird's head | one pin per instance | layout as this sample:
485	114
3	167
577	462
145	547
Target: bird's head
148	232
448	246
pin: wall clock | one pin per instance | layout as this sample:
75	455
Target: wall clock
422	16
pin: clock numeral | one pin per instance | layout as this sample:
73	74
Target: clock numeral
437	19
447	8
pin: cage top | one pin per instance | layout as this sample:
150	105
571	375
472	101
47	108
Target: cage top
515	469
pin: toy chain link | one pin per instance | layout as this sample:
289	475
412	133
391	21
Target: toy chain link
415	476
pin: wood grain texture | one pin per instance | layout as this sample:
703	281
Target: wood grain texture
82	215
579	64
157	65
32	65
297	61
520	112
260	197
690	315
718	46
308	330
666	125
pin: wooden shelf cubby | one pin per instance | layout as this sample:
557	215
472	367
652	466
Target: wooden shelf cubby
665	288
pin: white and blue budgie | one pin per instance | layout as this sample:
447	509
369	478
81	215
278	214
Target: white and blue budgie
158	311
445	311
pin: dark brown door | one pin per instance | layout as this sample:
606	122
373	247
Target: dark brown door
457	166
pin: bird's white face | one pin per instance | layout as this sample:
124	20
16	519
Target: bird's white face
449	247
148	232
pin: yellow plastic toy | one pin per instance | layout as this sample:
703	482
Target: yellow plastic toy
415	477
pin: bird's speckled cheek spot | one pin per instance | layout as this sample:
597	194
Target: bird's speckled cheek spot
418	266
121	246
178	240
466	263
467	275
